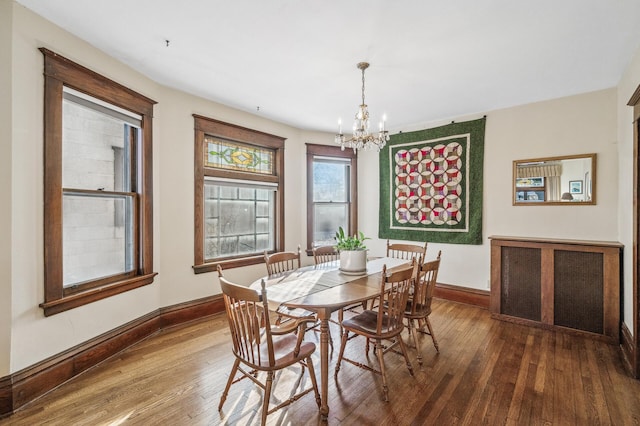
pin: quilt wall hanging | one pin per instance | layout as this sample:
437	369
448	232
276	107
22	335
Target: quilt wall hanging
431	184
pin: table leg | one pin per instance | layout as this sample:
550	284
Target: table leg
324	363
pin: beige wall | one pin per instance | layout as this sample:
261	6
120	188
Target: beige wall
36	337
583	123
175	202
627	86
6	7
573	125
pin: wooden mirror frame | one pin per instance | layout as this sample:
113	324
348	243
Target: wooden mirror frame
586	183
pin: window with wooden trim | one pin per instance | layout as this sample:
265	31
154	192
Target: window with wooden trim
97	186
239	195
331	193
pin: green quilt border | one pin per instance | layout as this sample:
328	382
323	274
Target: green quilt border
475	129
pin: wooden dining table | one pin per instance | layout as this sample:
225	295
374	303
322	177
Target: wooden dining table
324	289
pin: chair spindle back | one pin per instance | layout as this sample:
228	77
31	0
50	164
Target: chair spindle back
394	293
407	251
282	262
423	289
248	316
325	254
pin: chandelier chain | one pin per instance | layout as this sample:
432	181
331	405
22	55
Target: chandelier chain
363	86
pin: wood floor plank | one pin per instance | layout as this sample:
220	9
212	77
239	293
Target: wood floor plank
478	402
545	380
487	372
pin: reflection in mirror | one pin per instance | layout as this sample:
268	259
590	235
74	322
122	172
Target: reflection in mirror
566	180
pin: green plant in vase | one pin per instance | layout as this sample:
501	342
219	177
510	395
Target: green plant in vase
348	242
353	252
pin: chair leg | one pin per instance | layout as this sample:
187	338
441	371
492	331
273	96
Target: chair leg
234	370
433	337
410	324
267	397
380	354
345	337
414	335
314	382
330	338
404	352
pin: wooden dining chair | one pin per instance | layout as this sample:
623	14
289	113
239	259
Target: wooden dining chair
419	304
407	251
282	261
261	347
325	254
385	322
278	263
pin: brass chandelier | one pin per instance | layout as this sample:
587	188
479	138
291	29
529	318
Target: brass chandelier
361	138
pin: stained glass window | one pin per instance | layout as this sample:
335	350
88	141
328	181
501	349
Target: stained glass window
239	209
222	154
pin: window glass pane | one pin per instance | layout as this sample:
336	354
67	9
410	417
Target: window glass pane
263	209
330	181
239	220
222	154
95	149
237	217
262	225
228	192
328	218
247	193
264	242
532	181
263	194
97	237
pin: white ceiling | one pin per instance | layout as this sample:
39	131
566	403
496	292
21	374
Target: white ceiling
296	59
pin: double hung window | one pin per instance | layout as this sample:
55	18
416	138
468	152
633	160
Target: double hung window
331	193
98	201
97	187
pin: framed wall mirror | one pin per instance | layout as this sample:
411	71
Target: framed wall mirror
566	180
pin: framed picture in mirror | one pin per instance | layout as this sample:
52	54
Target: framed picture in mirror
575	187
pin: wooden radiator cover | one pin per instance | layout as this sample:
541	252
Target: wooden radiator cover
571	285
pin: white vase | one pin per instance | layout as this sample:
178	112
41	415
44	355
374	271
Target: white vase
353	262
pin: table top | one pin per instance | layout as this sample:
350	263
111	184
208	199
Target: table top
324	286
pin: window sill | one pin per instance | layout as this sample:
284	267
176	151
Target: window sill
228	264
79	299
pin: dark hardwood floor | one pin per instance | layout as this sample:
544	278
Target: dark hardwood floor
487	372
